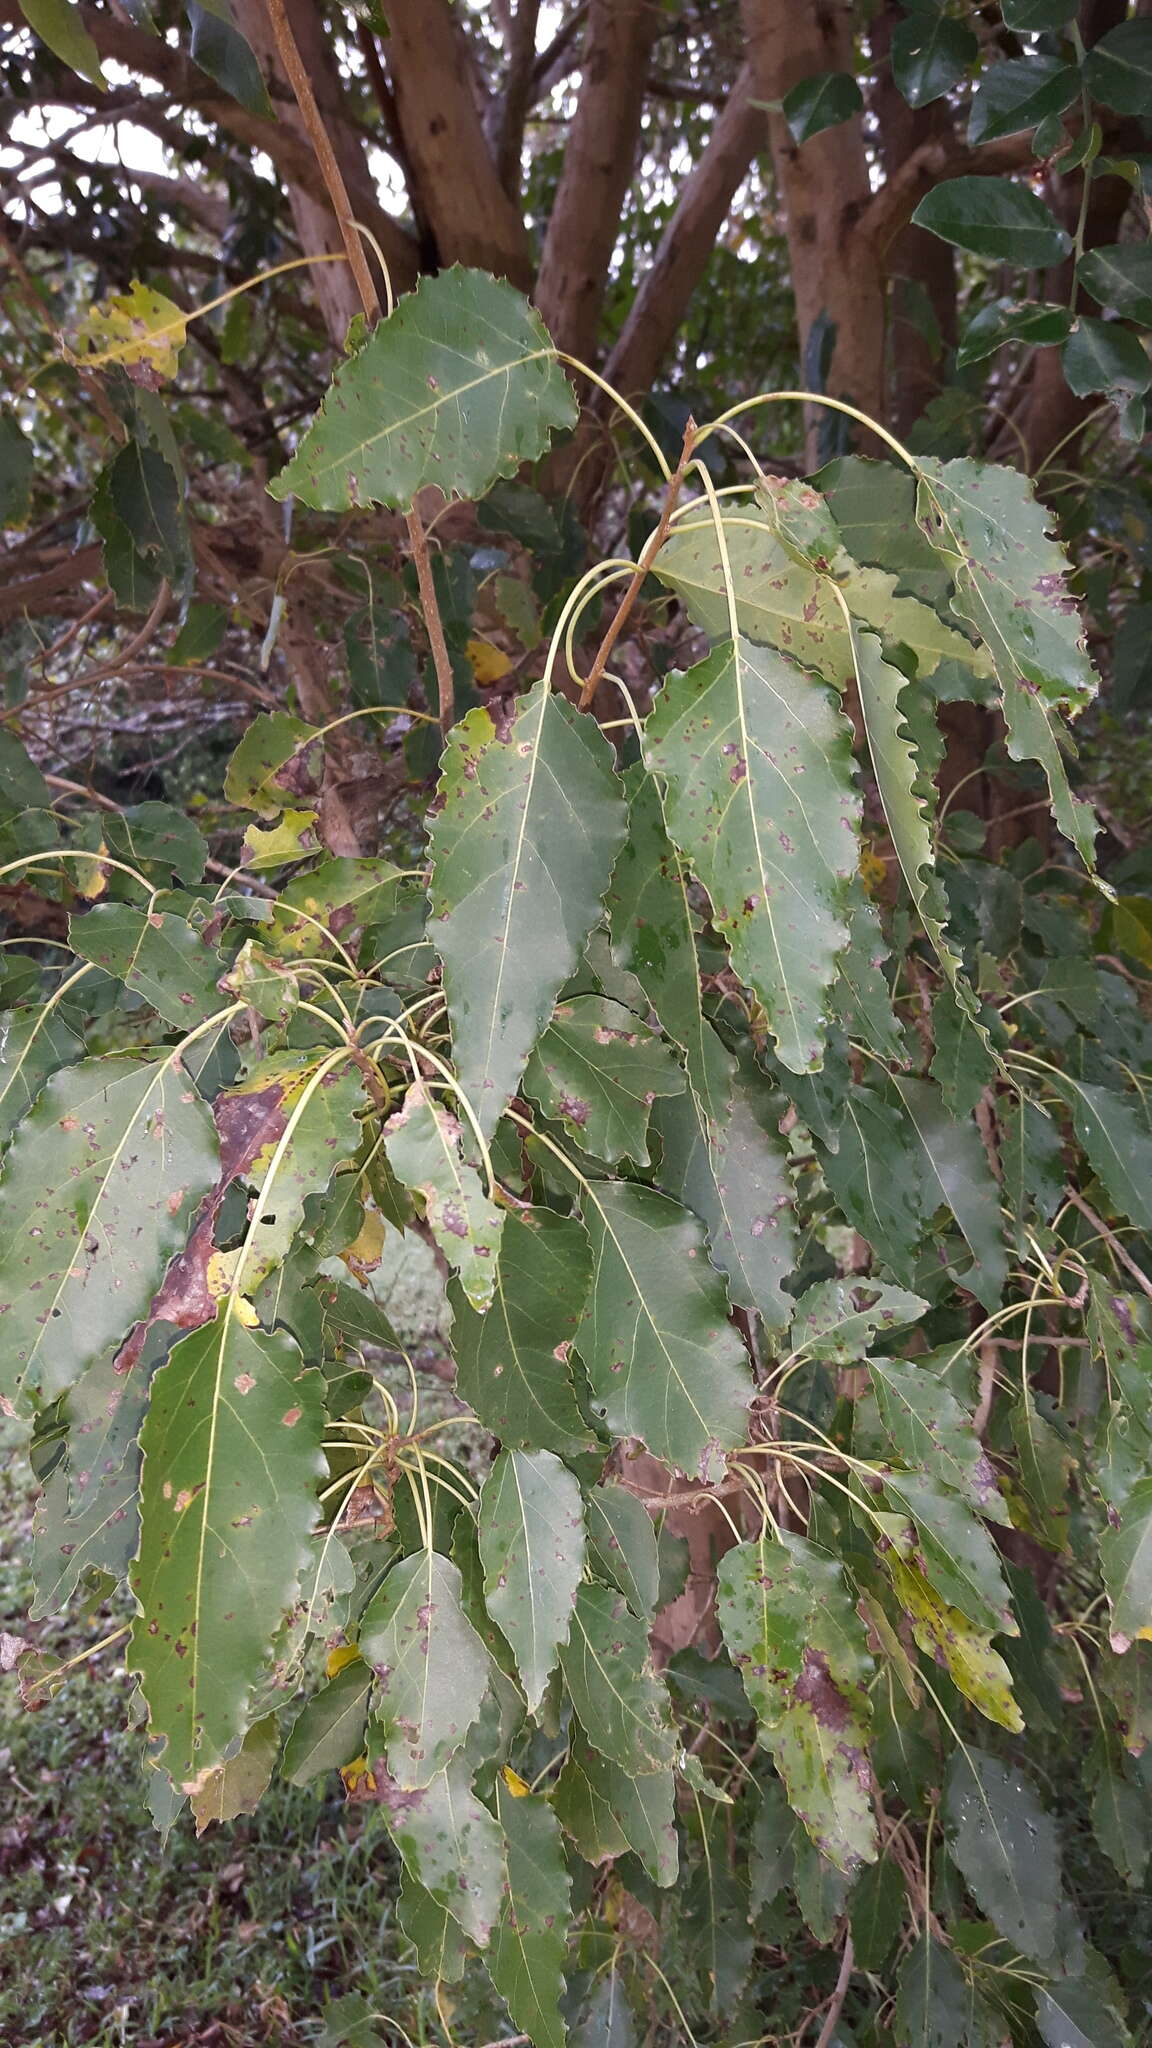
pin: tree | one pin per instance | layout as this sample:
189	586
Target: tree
649	870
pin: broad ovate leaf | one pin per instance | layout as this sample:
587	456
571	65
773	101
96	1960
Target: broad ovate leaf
100	1183
458	387
423	1142
431	1667
531	1535
597	1071
791	1629
449	1843
756	759
1126	1561
529	822
35	1041
663	1359
1007	1849
620	1703
232	1460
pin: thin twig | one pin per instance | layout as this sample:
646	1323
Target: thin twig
654	545
832	2017
325	156
1112	1241
441	659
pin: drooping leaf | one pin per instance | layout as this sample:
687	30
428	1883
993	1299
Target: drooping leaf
597	1071
947	1636
158	955
1031	1159
100	1183
1006	1848
1126	1562
820	102
792	1631
607	1810
238	1786
511	1362
459	386
876	1177
877	1913
862	997
526	1958
959	1556
35	1042
928	1428
1120	277
523	845
1120	1822
930	53
423	1143
1118	1145
17	468
937	2005
962	1063
329	1730
607	2022
431	1667
58	23
223	1533
756	758
622	1547
1101	355
664	1362
531	1531
449	1842
1007	320
994	218
441	1950
1073	2013
620	1703
219	48
956	1171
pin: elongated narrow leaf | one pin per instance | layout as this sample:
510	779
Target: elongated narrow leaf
948	1637
622	1545
526	1958
449	1842
956	1171
1126	1561
423	1143
59	24
607	1809
329	1730
431	1667
876	1177
34	1043
793	1633
99	1185
531	1532
1118	1145
620	1703
664	1362
959	1556
441	1950
227	1503
598	1072
1006	1846
928	1427
458	387
511	1363
757	760
861	997
937	2006
530	820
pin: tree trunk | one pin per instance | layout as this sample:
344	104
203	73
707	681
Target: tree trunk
917	258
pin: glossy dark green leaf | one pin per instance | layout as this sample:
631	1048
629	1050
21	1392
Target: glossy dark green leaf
620	1703
1118	67
1117	1142
530	822
1120	277
791	1629
664	1362
956	1171
1006	1847
526	1958
607	1810
878	1909
100	1184
329	1730
224	1535
1034	15
597	1071
157	955
1100	355
993	218
1031	1159
1019	93
927	1427
930	53
622	1547
937	2005
431	1667
960	1558
531	1532
820	102
1003	321
731	740
511	1363
459	386
423	1142
218	47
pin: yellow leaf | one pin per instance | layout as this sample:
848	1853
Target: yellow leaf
975	1668
357	1774
139	328
345	1653
293	836
518	1786
489	663
92	876
873	871
363	1255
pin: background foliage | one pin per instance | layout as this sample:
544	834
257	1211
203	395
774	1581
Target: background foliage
539	680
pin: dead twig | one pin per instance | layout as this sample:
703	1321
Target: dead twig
832	2016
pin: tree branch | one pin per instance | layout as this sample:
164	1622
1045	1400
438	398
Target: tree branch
506	127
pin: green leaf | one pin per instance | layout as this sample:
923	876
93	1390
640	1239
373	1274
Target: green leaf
620	1703
959	1557
218	47
531	1532
1117	1142
622	1545
329	1730
928	1428
238	1786
139	511
1126	1562
100	1183
930	54
664	1362
1100	355
839	1319
223	1534
279	761
449	1843
511	1363
992	218
1031	1159
526	1959
1030	15
732	739
1072	2013
34	1043
961	1063
17	460
956	1171
607	1810
1118	68
791	1629
158	836
607	2022
877	1913
597	1070
1019	93
1007	1850
862	997
876	1177
530	821
459	386
431	1667
157	955
441	1950
200	635
423	1143
1003	321
937	2006
22	787
1120	277
820	102
58	24
1120	1822
311	1129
